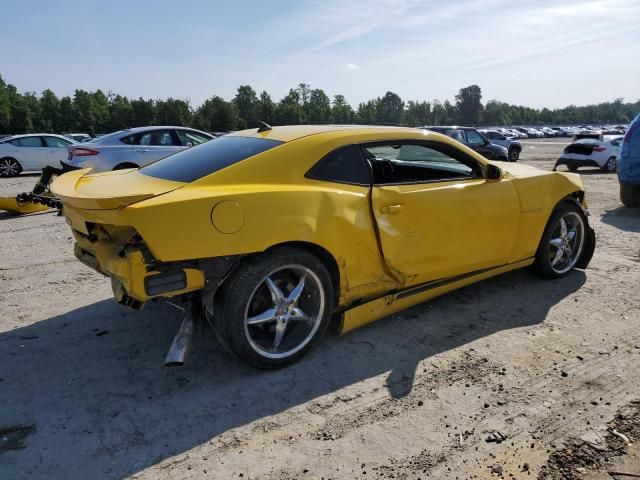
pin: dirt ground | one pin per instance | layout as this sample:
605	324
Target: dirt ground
502	379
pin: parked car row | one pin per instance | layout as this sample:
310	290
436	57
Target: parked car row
558	131
487	143
128	148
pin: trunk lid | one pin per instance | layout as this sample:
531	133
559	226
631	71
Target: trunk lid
108	190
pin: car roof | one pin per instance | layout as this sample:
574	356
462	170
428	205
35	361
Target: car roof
294	132
24	135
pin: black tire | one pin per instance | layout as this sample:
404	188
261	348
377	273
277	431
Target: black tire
247	295
514	154
124	166
572	167
544	265
9	167
630	195
610	166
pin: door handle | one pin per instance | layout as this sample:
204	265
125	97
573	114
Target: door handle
391	208
142	150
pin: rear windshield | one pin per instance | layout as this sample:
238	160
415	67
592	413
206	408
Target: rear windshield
196	162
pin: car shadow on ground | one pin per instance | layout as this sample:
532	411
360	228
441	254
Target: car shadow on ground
623	218
89	387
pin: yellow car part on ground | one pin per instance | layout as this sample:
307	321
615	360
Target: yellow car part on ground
13	205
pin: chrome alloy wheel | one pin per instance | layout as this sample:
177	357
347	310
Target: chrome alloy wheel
284	311
566	242
9	167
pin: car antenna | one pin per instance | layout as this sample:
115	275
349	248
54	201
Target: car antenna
264	127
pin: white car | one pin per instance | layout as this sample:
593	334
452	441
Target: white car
32	152
591	152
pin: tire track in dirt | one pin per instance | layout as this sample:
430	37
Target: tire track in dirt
340	422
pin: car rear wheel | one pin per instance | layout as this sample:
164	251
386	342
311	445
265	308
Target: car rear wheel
514	154
275	307
630	194
9	167
562	242
572	167
611	165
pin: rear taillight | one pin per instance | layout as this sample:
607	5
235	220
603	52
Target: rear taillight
84	152
599	149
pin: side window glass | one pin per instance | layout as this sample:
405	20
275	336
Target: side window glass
474	139
190	137
345	165
131	140
30	142
156	138
55	142
456	135
416	163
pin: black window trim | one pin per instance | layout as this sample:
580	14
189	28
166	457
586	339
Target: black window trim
477	166
310	172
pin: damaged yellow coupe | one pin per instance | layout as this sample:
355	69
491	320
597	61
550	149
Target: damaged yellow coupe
269	234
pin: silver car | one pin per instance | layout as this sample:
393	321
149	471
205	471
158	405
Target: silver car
133	147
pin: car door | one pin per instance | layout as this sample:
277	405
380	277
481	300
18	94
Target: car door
156	144
57	150
31	153
437	216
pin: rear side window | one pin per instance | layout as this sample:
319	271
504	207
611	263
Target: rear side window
189	137
196	162
30	142
345	165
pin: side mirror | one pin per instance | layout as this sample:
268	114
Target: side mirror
189	144
493	173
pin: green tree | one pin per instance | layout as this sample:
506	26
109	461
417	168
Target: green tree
367	112
496	113
142	112
49	112
216	115
389	109
265	110
318	108
172	112
5	107
341	111
417	113
247	104
289	111
65	119
468	105
120	113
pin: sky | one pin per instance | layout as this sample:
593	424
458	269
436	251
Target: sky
539	53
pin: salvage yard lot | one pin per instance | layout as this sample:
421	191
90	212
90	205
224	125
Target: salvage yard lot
84	394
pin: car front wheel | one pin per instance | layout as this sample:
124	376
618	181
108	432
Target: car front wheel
563	241
630	194
275	307
514	154
9	167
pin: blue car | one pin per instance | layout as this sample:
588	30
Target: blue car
629	166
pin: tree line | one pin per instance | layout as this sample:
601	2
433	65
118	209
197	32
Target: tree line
99	112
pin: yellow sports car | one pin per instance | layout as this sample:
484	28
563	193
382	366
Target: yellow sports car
272	233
